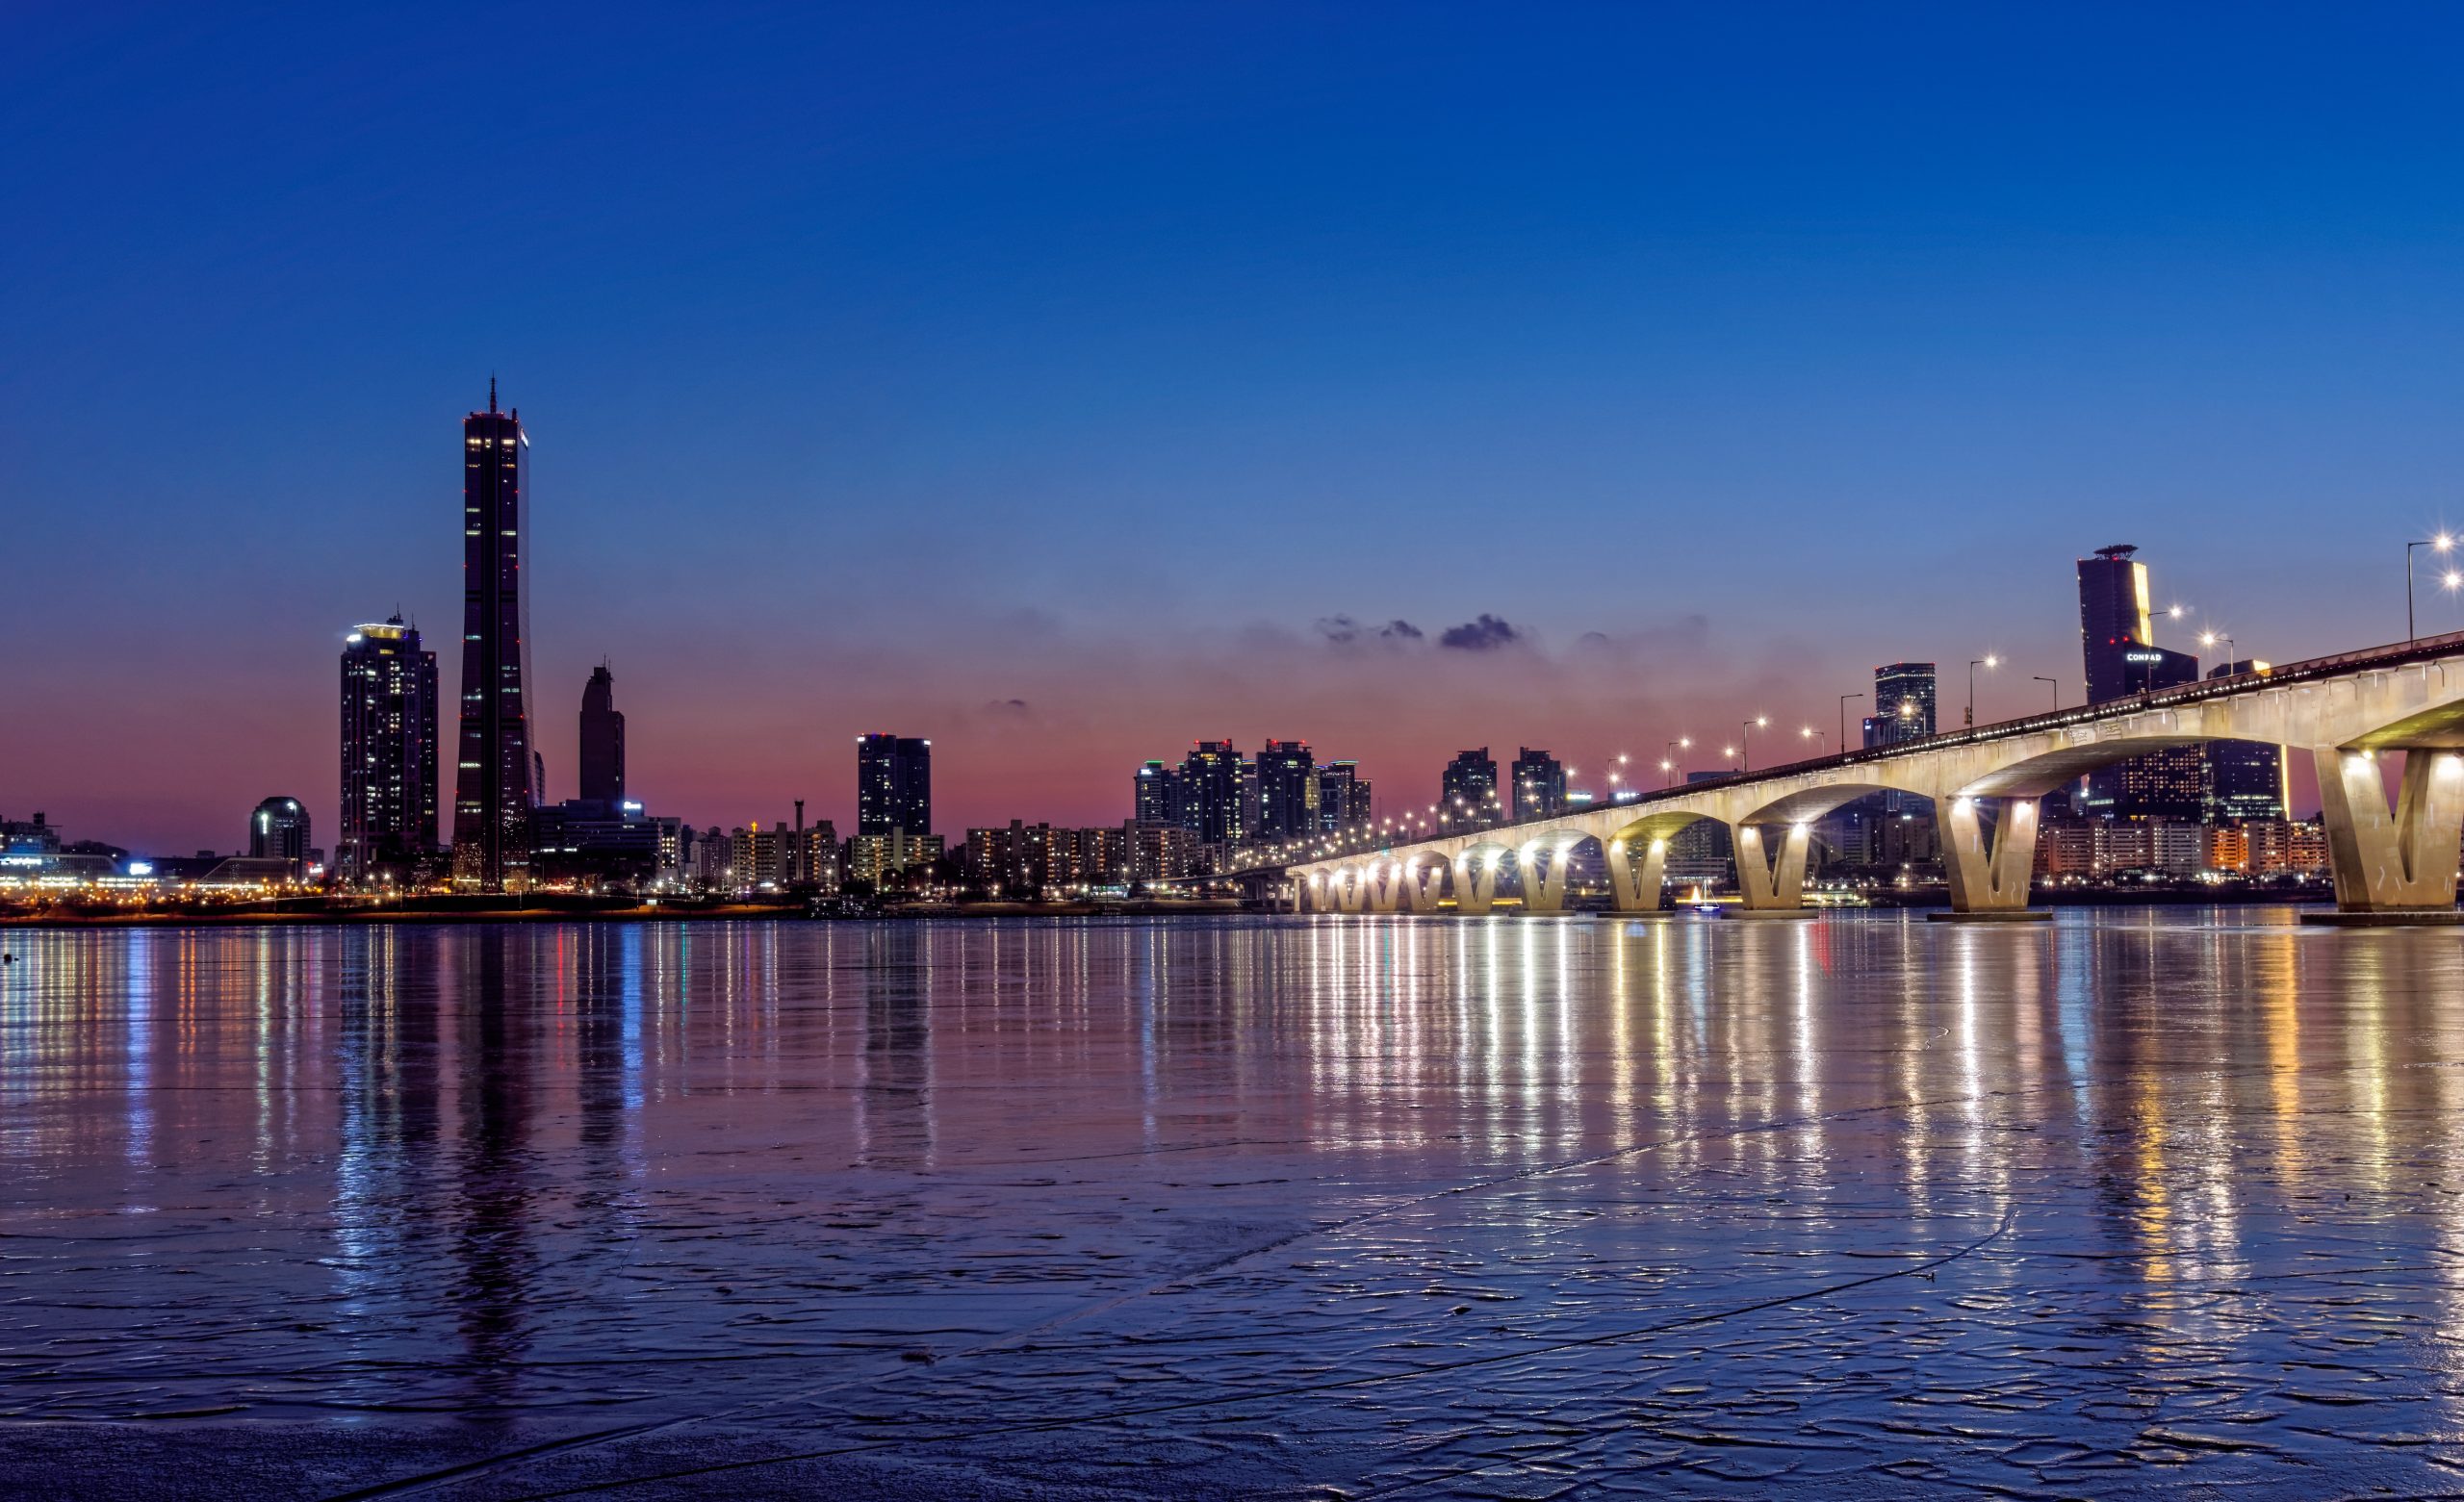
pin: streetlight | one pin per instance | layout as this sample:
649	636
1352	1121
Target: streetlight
2232	648
1843	717
1668	762
2442	542
1989	660
2057	687
1748	764
1809	733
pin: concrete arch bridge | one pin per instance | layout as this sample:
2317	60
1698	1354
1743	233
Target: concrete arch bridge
2387	858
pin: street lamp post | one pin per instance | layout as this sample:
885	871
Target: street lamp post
2442	542
1843	717
2057	687
1668	763
1748	764
2232	647
1989	660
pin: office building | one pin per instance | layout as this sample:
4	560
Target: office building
1539	784
278	830
1468	792
388	723
590	842
893	785
1903	704
1287	774
2118	650
1156	795
602	761
495	782
1213	778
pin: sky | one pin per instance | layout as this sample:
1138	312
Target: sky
1069	382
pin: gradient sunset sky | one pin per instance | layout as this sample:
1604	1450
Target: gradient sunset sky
1065	382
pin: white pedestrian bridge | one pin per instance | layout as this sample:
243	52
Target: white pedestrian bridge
2388	857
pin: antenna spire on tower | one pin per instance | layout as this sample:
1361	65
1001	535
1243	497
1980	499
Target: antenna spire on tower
492	392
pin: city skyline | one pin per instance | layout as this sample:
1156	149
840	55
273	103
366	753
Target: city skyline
1219	265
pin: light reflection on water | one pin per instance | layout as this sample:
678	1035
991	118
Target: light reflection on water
528	1172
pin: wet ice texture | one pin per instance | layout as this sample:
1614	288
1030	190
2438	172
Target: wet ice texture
1314	1207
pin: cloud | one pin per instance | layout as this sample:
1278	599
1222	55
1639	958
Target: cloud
1007	707
1486	634
1343	631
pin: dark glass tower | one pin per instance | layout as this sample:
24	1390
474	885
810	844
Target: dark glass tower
893	785
493	792
278	830
1903	704
389	750
603	740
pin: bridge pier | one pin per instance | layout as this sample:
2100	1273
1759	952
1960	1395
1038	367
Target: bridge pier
1423	884
1385	886
1475	894
1545	893
1771	883
1637	890
2394	864
1982	879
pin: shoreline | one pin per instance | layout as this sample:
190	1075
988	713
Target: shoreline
588	911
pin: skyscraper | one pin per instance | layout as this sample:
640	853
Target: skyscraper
1468	791
603	740
1287	791
893	785
1211	779
493	788
278	830
1903	704
2118	633
1539	784
389	749
2118	641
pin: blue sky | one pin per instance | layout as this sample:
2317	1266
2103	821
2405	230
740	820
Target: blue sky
885	366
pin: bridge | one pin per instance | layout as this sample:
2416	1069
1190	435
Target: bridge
2388	861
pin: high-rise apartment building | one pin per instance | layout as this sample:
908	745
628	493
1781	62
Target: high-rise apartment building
1342	797
1213	789
893	785
1287	792
1468	792
603	740
278	830
1539	784
389	750
1156	796
494	785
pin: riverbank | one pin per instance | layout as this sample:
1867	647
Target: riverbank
456	910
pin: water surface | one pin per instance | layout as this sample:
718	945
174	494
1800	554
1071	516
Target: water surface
1322	1207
